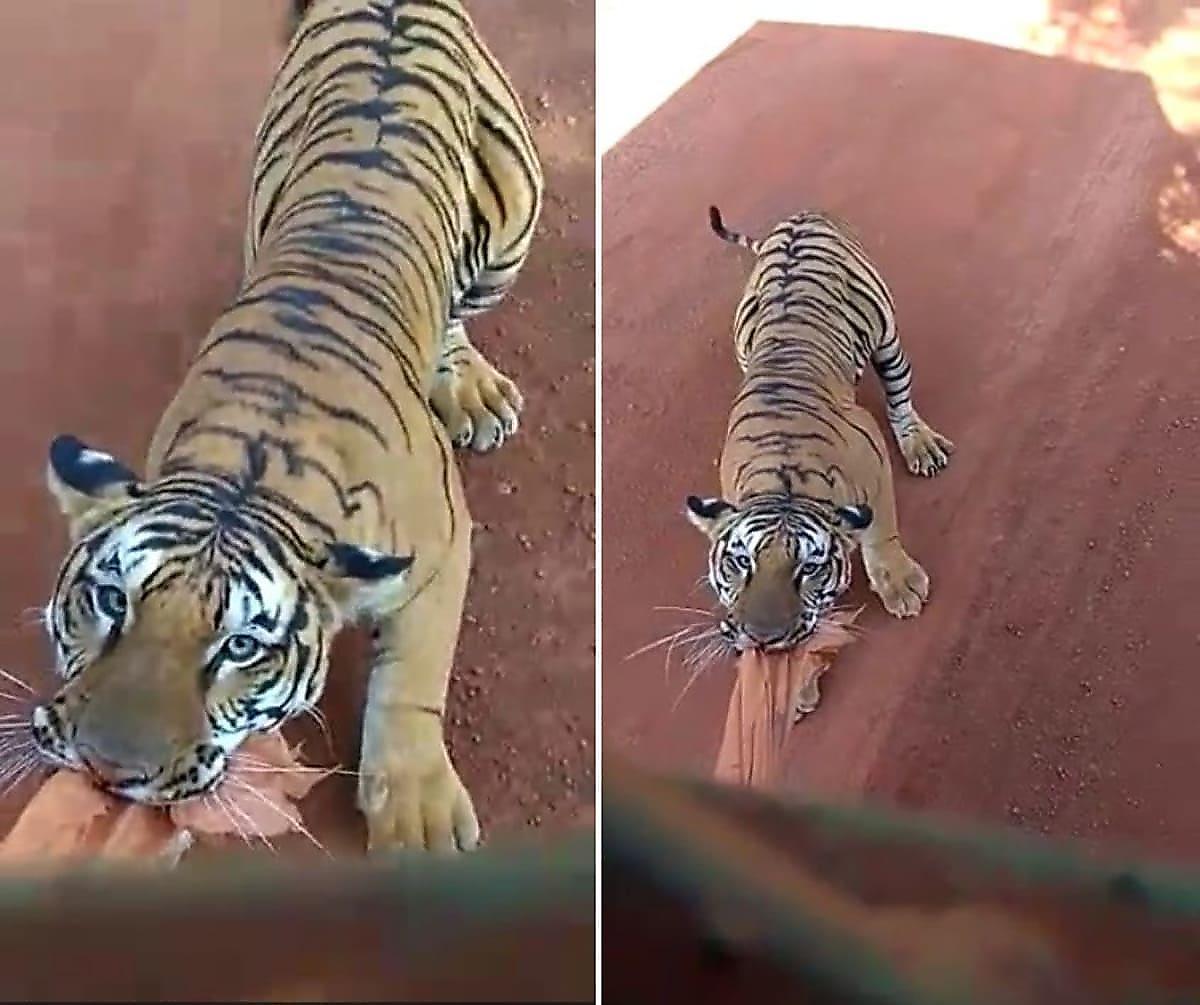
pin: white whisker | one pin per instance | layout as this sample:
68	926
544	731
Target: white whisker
695	676
701	661
300	769
699	631
27	772
702	654
701	637
13	679
255	829
9	748
15	774
212	799
318	717
14	697
258	764
666	639
224	808
706	655
16	763
240	755
293	820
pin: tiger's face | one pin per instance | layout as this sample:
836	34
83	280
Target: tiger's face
184	618
777	566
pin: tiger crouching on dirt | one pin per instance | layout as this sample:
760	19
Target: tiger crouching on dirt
303	476
804	471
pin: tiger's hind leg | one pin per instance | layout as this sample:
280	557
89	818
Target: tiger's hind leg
478	405
925	450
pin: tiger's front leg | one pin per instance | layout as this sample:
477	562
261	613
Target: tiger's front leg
895	576
408	789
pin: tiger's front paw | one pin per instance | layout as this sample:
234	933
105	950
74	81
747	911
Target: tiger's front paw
807	698
901	584
478	405
415	799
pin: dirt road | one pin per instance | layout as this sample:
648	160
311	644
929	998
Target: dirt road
127	126
1027	213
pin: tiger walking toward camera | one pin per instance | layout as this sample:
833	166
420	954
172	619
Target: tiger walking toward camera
805	473
303	476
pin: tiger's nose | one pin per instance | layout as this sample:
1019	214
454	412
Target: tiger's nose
109	772
764	635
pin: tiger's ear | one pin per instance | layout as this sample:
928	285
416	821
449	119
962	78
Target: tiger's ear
88	484
363	580
855	518
708	514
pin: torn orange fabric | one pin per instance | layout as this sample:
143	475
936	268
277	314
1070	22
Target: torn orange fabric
69	818
770	692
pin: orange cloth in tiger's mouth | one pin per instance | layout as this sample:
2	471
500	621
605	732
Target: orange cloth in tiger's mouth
70	819
769	690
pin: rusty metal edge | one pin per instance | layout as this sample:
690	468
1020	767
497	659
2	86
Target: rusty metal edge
409	927
711	849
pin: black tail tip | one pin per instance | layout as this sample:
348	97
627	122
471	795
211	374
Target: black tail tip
714	219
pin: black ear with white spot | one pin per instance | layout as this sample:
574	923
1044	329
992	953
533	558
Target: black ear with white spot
365	582
87	482
708	512
857	517
351	562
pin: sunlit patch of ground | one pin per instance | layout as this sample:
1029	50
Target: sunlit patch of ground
1161	39
1165	47
650	48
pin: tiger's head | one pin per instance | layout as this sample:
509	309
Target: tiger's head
188	613
777	564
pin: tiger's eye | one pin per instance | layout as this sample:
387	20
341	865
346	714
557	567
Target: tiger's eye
111	602
241	648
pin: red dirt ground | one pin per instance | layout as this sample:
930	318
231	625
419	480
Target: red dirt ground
1019	206
127	127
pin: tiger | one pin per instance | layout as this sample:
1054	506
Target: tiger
303	477
804	471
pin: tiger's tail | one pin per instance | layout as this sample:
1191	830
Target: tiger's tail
718	226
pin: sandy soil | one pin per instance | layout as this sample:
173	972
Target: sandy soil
1031	215
127	127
